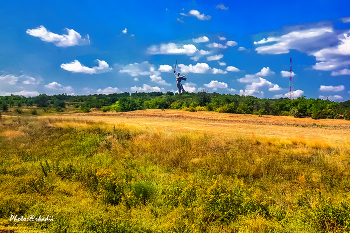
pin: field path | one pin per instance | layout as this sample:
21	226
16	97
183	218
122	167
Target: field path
228	125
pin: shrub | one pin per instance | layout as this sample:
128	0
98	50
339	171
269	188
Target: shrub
347	115
143	191
325	114
285	113
33	112
116	107
227	108
294	112
19	111
260	112
190	109
59	109
106	108
200	108
85	109
5	107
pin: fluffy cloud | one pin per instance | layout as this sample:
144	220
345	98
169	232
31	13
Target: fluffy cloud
231	43
199	16
241	49
19	80
215	57
333	98
218	71
296	94
165	68
108	90
275	88
232	69
125	31
215	85
341	72
22	93
287	73
172	48
302	40
136	69
265	71
330	65
189	87
199	68
201	39
331	88
71	39
77	67
221	7
330	47
222	38
54	86
157	79
222	64
217	45
147	88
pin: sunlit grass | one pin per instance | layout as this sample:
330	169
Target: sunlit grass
97	177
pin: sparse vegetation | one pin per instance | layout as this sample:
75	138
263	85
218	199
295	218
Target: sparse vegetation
93	177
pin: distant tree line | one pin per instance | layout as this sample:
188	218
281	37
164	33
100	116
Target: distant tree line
201	101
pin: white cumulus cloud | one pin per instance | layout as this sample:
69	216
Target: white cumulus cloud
189	87
172	48
341	72
222	38
147	88
54	86
265	72
219	71
157	79
199	68
165	68
241	49
232	69
275	88
71	39
215	85
332	88
77	67
332	97
108	90
217	45
222	64
287	73
125	31
231	43
199	16
215	57
201	39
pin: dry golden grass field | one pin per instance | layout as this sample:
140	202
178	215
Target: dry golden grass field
174	171
324	131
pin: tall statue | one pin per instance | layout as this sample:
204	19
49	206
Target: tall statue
179	79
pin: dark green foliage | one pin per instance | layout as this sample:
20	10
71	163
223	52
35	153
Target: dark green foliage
347	115
122	102
33	112
5	107
42	100
18	111
295	112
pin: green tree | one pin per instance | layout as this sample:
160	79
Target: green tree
41	100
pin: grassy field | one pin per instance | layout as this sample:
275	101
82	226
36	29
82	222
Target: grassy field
174	171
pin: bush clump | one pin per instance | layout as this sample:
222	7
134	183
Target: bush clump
33	112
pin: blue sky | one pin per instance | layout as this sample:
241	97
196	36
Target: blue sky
237	47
